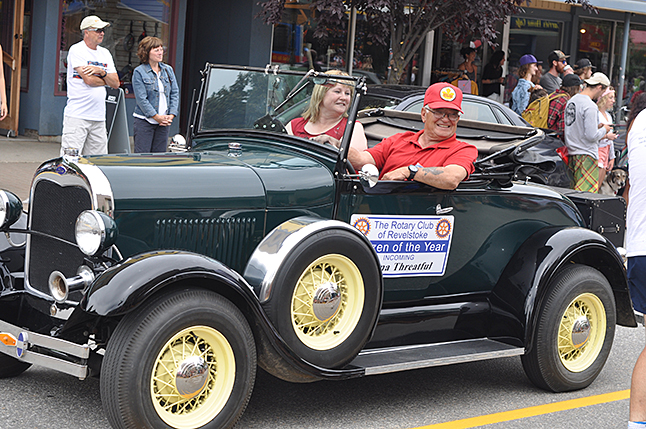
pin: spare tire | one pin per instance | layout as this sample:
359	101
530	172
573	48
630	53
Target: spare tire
326	298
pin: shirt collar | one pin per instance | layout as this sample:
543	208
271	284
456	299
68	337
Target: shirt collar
444	144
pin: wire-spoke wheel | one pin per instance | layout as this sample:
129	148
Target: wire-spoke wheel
574	331
327	302
326	298
581	332
184	360
208	355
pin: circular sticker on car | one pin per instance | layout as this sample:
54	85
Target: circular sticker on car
363	225
443	228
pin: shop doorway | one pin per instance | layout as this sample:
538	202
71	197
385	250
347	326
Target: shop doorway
11	37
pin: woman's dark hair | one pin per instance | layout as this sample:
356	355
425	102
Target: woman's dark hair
466	51
496	58
638	105
146	45
536	94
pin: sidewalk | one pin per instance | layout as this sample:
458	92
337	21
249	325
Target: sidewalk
19	159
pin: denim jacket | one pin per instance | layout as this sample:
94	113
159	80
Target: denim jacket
146	89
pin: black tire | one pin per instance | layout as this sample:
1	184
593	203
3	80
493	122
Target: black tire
576	294
140	363
333	341
11	367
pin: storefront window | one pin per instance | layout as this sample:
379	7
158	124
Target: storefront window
130	21
295	47
594	43
538	37
636	60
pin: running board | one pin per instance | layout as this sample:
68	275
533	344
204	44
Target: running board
393	359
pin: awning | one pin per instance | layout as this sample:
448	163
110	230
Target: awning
636	6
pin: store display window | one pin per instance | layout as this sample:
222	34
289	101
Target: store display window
294	44
130	21
595	42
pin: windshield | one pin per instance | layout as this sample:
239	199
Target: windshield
256	99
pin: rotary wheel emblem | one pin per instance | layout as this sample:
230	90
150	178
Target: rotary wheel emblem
363	225
443	228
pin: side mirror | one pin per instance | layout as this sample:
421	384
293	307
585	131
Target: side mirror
177	144
369	175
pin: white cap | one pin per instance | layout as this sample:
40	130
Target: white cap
93	21
598	79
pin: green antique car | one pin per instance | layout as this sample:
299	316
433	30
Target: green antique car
175	275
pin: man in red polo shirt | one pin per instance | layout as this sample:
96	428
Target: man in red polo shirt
432	156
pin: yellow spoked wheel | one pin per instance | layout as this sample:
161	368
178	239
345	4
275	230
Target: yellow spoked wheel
582	332
327	302
573	332
192	377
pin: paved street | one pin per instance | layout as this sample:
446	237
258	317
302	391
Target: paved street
42	398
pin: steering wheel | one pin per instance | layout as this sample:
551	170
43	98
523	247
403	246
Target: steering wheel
269	123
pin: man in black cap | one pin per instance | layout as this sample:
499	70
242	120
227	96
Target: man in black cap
583	68
570	86
551	80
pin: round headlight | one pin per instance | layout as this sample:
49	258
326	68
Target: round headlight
94	232
10	209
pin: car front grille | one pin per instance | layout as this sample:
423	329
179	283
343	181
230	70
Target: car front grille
54	209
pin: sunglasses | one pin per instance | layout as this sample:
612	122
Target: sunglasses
97	30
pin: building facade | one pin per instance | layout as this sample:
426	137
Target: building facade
199	31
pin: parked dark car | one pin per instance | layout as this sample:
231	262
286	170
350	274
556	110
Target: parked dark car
175	275
410	98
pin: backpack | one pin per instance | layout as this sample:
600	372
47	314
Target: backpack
538	111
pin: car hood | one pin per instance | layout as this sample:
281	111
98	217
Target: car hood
249	179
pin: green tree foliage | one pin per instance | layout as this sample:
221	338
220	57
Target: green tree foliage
403	24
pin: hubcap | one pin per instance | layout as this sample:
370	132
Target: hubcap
326	301
582	332
191	377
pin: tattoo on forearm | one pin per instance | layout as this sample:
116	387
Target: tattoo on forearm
436	171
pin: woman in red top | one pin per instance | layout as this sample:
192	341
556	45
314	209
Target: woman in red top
327	115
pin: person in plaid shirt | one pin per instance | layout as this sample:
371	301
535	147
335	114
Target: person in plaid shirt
570	86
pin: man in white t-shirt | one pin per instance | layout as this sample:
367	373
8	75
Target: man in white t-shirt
89	68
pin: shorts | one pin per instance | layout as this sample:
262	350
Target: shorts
637	282
89	137
585	173
604	153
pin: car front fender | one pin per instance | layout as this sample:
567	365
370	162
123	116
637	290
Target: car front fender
122	288
518	295
277	245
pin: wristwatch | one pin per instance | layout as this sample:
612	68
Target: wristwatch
105	73
412	171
